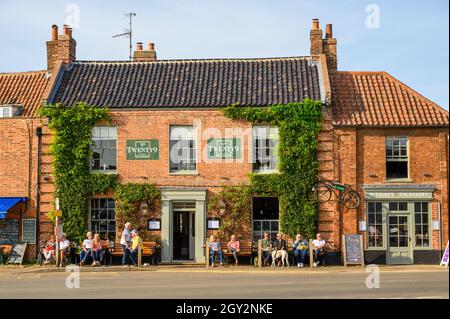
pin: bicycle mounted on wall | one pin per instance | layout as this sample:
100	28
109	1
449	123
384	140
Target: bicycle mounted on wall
344	193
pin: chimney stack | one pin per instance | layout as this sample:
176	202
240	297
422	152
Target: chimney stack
327	45
61	47
141	55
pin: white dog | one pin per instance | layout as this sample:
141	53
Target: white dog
283	254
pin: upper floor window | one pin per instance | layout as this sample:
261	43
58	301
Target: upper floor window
183	149
396	157
264	148
104	149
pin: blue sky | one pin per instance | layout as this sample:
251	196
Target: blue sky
411	43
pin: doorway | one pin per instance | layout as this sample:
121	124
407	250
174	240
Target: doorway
183	231
399	240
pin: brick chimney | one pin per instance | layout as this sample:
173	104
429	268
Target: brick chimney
141	55
61	47
327	45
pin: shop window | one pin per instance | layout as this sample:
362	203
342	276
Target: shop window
422	229
375	224
104	148
264	148
265	217
183	149
396	157
102	217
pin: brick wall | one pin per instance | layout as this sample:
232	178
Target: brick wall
18	170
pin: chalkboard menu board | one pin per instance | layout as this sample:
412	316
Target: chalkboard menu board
353	250
9	231
29	231
17	253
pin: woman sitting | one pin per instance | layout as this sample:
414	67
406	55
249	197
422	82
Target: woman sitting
300	250
233	246
49	250
86	249
215	248
97	250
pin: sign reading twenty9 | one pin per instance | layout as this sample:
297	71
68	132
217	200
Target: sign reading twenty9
142	149
222	148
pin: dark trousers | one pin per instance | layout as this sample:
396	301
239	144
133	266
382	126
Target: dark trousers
318	254
84	255
126	255
213	256
235	254
134	256
300	255
265	256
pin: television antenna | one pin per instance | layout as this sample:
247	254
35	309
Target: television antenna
128	32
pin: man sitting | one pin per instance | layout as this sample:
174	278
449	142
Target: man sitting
64	249
318	249
266	247
280	244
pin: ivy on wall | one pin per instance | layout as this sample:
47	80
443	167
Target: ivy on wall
298	125
129	197
71	148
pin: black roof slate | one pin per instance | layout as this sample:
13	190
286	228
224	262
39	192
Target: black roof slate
190	83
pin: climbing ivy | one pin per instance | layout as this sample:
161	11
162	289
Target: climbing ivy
298	125
71	148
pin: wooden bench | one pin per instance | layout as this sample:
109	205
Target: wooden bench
5	250
245	250
148	250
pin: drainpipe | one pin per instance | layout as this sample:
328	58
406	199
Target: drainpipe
38	188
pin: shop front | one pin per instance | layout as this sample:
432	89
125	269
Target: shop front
401	224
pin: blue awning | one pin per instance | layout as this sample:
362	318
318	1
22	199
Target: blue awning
7	203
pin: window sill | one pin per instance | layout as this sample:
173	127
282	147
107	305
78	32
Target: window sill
398	180
265	172
103	172
184	173
375	248
422	248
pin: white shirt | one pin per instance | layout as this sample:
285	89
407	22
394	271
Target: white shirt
87	243
64	244
318	243
126	237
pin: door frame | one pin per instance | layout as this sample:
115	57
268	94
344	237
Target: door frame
168	196
389	259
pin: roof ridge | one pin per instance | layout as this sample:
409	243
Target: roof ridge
191	60
24	72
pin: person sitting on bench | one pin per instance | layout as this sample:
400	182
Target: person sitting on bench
234	247
86	249
318	249
280	244
49	250
97	250
215	248
136	242
266	247
300	250
64	249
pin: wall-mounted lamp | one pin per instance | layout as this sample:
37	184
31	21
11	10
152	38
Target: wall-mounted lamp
222	207
144	207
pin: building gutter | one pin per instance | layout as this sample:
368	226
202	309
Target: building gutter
38	186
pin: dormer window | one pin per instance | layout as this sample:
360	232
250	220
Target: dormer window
10	110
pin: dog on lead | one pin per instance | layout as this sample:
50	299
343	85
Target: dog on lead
283	254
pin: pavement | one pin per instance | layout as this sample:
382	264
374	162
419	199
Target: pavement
172	281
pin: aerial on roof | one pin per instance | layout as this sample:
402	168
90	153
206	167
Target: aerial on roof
29	89
378	99
190	83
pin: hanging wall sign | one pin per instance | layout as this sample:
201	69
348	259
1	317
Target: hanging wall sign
142	149
224	148
29	231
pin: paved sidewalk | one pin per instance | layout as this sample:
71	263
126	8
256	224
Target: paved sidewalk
224	269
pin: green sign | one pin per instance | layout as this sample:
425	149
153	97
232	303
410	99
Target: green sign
142	149
224	148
